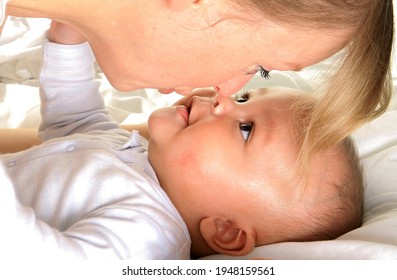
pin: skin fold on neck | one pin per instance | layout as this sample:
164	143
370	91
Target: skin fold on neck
31	8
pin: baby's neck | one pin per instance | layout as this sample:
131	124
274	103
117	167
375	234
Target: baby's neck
199	247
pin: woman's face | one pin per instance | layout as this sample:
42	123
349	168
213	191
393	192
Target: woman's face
203	45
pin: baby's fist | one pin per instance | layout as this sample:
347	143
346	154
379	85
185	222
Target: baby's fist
61	33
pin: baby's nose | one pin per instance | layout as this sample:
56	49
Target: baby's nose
222	104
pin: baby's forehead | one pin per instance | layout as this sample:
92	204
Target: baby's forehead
278	92
294	105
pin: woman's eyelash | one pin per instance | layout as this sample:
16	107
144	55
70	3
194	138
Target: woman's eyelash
263	72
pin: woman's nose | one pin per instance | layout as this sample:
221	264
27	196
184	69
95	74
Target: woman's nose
221	104
233	85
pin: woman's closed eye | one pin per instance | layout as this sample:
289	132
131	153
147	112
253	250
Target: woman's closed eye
246	129
262	71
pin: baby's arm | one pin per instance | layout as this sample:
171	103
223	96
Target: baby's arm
70	99
13	140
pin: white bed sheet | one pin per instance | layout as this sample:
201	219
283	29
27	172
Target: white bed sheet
20	62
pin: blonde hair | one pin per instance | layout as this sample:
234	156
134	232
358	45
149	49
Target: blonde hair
360	90
340	207
339	204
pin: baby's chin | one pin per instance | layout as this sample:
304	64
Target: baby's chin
165	123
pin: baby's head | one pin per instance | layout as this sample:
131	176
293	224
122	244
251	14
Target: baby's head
230	166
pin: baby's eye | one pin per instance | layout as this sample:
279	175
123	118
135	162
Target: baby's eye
246	129
242	97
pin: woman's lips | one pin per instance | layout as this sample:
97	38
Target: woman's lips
181	91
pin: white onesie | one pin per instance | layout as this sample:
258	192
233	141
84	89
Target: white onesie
89	191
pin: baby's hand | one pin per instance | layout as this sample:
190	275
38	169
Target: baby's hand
65	34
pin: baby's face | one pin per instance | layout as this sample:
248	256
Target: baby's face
221	153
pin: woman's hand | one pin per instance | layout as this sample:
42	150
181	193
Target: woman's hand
62	33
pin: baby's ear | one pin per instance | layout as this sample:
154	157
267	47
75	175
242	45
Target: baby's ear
224	237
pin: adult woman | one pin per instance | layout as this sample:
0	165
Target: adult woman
182	44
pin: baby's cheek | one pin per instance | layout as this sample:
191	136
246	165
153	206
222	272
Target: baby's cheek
193	166
194	157
189	159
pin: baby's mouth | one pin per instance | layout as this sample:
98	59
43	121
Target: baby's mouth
189	106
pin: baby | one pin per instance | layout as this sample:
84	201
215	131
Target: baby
217	174
230	168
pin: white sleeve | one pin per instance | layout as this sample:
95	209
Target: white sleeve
3	4
22	234
70	98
